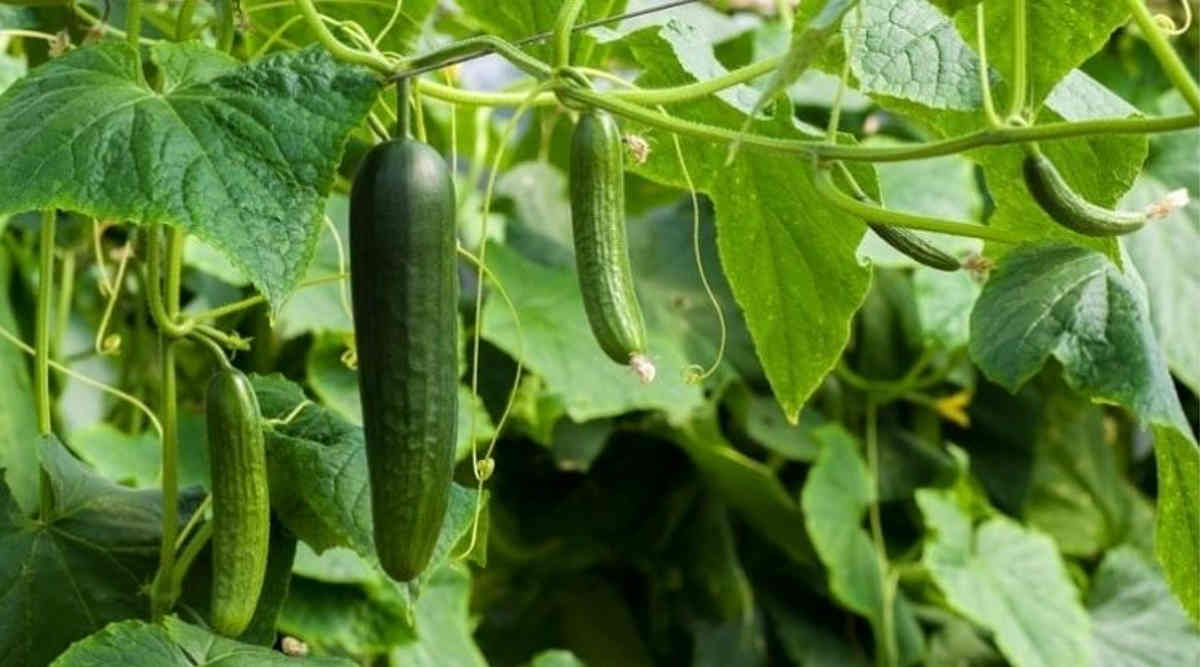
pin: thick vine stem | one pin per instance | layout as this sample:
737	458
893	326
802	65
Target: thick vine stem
474	45
165	322
829	191
564	23
1020	43
42	346
1175	70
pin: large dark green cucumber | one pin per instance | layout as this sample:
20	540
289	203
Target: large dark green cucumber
404	284
601	249
1067	208
240	500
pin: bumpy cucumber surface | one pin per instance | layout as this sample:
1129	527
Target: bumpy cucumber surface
404	284
597	193
240	501
1067	208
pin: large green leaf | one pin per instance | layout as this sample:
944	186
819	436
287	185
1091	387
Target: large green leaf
836	496
789	258
240	156
939	88
18	420
1075	305
443	625
559	346
69	575
174	643
318	469
1135	621
1164	252
988	573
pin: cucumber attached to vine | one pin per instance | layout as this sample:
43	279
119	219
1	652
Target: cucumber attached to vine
404	287
240	500
597	192
1066	207
902	240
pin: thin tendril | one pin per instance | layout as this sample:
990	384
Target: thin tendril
132	400
97	245
114	293
389	25
481	262
343	290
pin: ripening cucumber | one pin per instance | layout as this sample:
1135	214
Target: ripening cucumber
404	284
240	500
597	192
1067	208
916	247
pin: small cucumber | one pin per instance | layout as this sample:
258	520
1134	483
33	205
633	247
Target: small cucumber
597	191
404	284
1068	209
240	500
915	247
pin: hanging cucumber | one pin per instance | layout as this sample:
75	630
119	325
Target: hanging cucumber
404	285
280	558
240	500
860	205
1067	208
597	193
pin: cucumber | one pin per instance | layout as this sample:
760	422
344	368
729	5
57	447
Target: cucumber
1067	208
597	191
280	558
916	247
240	500
404	285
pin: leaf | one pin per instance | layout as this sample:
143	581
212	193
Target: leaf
135	460
560	347
218	153
18	418
807	643
746	486
175	643
555	658
268	18
944	303
318	471
519	20
836	496
1074	305
1164	251
443	625
346	619
765	424
793	274
1077	494
941	90
83	567
1135	621
987	571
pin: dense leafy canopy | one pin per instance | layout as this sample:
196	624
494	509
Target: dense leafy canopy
887	463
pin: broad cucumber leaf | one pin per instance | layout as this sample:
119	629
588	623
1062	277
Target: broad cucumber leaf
68	576
1135	621
1164	252
987	573
912	59
241	156
443	625
319	487
174	643
1075	305
836	496
788	257
18	418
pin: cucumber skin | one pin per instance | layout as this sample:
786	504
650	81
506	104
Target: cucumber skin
1068	209
241	503
404	283
597	190
915	247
